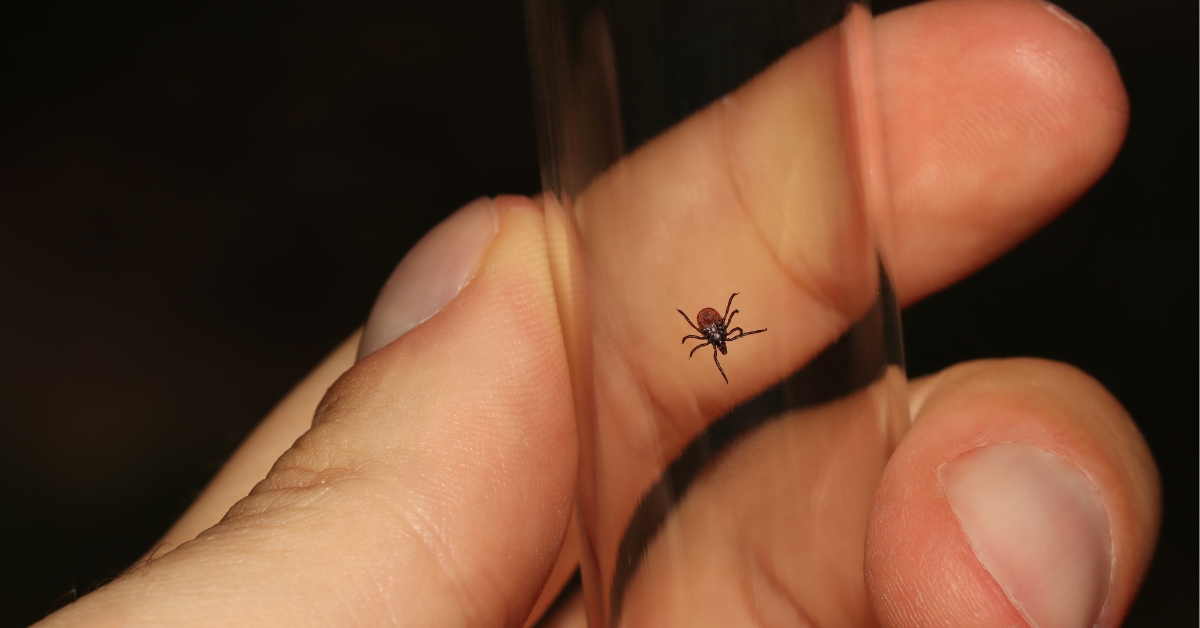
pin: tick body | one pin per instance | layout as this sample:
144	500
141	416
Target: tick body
715	331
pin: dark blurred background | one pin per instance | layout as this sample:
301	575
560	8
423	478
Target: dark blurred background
198	200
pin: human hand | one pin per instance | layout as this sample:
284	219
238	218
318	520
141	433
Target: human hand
436	484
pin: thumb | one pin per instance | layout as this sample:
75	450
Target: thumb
1023	495
435	486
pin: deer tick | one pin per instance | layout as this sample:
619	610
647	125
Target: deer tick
715	331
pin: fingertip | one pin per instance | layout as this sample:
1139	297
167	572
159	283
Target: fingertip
1095	61
997	116
431	274
437	268
1022	495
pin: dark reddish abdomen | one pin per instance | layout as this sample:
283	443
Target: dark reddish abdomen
707	317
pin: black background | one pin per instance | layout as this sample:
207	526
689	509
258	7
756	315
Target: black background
198	200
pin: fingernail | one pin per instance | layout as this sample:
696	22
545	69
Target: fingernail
430	275
1061	14
1040	528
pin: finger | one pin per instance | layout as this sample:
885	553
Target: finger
997	116
1022	494
434	488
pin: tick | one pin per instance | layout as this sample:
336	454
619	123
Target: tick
715	331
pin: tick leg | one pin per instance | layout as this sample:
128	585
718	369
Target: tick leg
730	319
685	338
718	364
697	347
729	304
685	317
742	333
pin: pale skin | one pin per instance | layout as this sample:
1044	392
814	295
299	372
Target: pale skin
408	502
